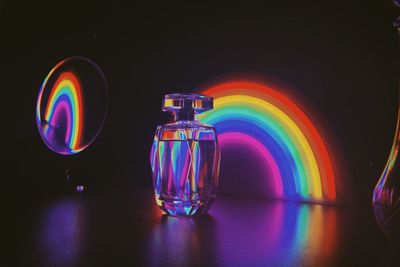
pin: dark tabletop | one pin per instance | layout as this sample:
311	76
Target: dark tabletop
124	227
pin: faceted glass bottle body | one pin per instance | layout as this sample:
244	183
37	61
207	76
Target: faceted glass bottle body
185	163
386	197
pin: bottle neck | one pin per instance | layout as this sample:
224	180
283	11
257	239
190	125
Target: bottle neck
185	115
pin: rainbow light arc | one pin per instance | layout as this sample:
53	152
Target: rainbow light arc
64	105
274	126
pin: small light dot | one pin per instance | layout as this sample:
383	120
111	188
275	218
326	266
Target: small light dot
80	188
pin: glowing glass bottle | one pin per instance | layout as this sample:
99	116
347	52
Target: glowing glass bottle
386	196
185	157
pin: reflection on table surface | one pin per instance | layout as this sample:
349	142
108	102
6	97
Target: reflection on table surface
248	233
126	229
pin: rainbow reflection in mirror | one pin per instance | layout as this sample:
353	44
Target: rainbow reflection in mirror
72	105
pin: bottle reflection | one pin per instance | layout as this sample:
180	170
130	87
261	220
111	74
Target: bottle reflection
60	241
248	233
182	242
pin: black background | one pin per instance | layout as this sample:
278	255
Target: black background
342	56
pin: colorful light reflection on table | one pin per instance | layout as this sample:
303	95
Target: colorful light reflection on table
297	156
61	237
240	232
280	232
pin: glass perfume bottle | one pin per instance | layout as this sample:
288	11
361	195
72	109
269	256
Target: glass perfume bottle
386	196
185	157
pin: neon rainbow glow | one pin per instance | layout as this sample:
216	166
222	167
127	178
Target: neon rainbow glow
296	156
64	107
